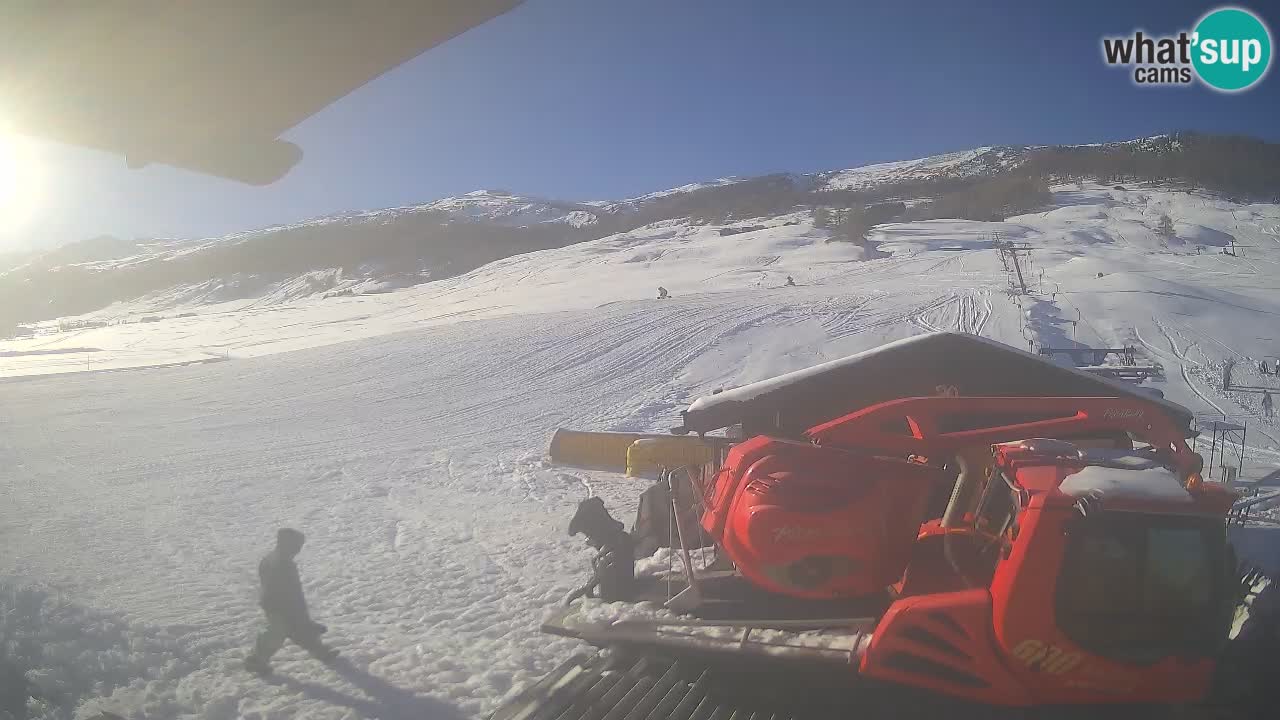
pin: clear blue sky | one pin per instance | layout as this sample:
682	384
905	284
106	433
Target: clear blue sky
593	99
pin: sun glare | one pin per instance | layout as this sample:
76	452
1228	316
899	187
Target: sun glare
19	181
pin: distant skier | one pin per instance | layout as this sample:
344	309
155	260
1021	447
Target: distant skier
285	607
1268	407
662	293
791	282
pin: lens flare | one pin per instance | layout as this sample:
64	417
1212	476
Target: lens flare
19	181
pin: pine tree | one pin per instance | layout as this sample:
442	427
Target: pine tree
854	226
1165	228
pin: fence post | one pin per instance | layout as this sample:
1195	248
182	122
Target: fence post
1244	432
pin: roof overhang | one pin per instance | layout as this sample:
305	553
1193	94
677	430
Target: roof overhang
917	366
201	84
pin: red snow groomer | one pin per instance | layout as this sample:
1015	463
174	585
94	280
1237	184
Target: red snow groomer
990	543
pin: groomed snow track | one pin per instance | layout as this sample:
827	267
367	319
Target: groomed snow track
654	688
619	686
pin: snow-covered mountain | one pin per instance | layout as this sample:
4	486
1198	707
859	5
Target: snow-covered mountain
506	209
641	201
967	164
376	250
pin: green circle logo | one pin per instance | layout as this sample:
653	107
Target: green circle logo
1232	49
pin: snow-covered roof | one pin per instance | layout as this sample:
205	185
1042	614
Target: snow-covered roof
1150	483
909	367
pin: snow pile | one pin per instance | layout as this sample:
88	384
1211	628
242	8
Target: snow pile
652	618
1147	483
669	562
1127	459
56	654
597	612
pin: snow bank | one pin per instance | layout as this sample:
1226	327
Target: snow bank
58	654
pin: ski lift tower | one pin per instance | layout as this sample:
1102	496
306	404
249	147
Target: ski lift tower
998	244
1014	254
1228	462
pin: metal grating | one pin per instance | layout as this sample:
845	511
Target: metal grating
663	689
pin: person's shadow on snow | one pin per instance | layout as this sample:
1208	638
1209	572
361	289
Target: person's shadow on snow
387	702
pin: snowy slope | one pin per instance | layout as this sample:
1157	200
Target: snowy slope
257	282
968	163
494	206
137	269
398	246
404	431
640	201
505	208
497	206
1182	308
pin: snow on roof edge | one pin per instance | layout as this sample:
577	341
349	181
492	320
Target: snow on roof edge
750	391
1148	483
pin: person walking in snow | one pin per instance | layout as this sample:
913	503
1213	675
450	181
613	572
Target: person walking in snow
284	606
662	293
1268	407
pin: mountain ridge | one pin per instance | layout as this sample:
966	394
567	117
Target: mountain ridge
371	250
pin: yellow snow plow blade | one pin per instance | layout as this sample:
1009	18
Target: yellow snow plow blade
649	455
631	453
593	450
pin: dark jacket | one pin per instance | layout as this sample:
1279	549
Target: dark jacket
282	589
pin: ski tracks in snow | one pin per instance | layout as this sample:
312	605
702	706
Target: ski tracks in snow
1180	356
966	312
1187	367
